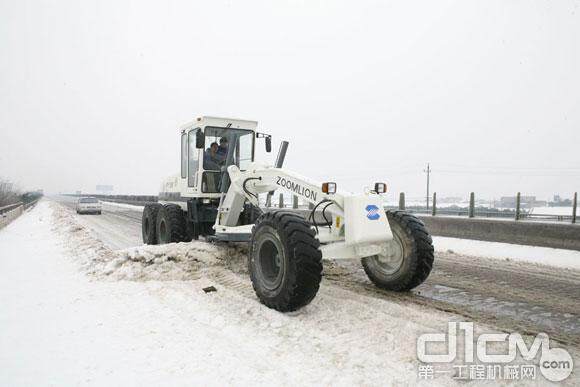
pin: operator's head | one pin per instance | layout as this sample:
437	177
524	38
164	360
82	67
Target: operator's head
214	146
224	142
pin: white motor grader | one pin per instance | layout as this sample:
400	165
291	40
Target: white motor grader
216	196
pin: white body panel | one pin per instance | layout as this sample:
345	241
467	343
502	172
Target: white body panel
366	219
363	226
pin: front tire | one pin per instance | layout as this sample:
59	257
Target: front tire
171	225
285	261
149	223
411	255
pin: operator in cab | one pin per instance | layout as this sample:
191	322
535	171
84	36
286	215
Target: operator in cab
222	151
211	159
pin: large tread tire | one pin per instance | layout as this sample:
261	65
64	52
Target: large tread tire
418	255
299	261
149	223
171	224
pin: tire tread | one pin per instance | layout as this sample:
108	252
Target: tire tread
175	219
150	211
422	255
305	274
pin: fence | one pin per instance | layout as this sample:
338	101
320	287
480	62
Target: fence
472	211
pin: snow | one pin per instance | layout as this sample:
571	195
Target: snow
75	312
63	326
552	211
537	255
124	205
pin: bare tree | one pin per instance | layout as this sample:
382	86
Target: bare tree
9	194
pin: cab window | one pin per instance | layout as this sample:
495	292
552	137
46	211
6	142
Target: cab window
227	146
183	156
193	159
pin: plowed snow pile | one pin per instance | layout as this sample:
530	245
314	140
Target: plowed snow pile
178	261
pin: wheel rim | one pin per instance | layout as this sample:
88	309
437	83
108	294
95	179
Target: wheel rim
271	265
392	259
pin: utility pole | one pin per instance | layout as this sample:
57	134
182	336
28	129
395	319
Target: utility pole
428	172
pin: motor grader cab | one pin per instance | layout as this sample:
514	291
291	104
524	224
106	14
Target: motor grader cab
217	196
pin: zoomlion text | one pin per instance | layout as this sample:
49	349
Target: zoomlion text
296	188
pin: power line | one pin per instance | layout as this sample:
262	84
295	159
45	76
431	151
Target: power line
428	172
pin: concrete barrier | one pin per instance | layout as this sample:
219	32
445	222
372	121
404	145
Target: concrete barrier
9	216
137	200
556	235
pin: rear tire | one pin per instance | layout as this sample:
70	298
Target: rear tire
412	259
170	226
285	261
149	223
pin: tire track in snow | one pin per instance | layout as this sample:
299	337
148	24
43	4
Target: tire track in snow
481	301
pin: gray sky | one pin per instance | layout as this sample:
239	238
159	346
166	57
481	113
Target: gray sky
488	92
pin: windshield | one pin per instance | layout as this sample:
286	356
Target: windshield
88	200
227	146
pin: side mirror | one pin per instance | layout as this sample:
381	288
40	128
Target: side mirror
268	144
199	140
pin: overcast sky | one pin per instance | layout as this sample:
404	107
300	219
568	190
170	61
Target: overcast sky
487	91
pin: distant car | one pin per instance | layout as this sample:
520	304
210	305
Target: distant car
88	206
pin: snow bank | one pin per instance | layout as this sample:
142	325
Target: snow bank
495	250
178	261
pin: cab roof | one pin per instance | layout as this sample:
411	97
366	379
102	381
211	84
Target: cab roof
221	122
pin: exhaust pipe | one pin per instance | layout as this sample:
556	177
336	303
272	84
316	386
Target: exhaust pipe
281	154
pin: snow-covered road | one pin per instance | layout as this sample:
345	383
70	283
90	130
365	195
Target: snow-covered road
489	282
118	227
74	311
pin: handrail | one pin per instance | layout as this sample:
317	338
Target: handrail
14	206
30	204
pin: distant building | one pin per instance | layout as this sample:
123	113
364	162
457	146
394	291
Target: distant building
450	199
104	189
525	201
6	186
559	202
